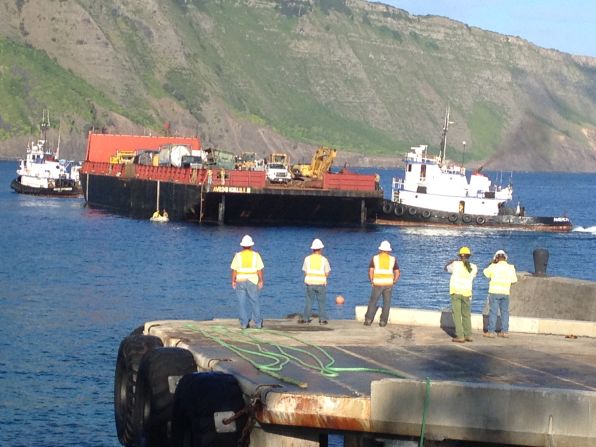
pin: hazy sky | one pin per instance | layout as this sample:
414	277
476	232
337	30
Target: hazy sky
566	25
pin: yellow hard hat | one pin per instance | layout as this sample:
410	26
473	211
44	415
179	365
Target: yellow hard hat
464	251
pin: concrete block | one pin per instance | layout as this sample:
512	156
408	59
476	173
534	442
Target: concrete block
501	414
553	297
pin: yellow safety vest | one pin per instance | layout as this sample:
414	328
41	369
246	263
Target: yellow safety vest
246	270
501	275
461	279
315	270
383	270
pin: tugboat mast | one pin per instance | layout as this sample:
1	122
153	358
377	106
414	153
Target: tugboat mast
443	151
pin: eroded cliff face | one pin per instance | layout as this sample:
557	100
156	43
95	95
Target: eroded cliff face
271	76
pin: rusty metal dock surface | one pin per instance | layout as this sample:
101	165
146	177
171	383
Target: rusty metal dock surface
543	377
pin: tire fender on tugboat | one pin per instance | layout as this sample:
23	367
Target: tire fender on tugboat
466	219
399	210
426	214
452	218
480	220
387	207
412	211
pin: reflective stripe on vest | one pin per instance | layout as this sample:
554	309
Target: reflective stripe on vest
315	270
461	280
383	272
247	270
501	276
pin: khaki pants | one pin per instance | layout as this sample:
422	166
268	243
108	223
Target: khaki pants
462	316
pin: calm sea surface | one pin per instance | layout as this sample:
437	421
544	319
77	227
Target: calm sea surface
75	281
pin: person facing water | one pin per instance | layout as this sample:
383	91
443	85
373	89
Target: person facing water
463	273
316	270
383	274
501	275
247	279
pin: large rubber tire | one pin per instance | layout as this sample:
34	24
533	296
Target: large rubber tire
152	413
131	351
387	207
198	397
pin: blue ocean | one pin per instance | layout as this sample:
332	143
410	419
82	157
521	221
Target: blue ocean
74	281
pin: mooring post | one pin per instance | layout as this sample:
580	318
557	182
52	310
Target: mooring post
222	210
362	212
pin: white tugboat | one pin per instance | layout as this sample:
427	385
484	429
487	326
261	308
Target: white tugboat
42	173
435	191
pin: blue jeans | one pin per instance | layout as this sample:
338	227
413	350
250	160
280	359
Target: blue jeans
375	294
318	292
247	291
501	302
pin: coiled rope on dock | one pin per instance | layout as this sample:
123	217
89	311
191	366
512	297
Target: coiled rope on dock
273	361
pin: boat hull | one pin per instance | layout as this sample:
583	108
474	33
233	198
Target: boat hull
138	198
391	213
57	191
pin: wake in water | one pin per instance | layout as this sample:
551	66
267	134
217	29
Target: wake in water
591	230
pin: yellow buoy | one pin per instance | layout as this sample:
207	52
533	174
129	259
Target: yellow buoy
339	299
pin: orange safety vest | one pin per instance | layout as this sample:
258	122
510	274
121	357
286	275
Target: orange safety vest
247	268
383	269
315	270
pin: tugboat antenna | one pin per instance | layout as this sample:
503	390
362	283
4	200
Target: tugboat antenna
443	152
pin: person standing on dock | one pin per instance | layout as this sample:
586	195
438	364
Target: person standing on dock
383	273
501	275
463	273
247	279
316	270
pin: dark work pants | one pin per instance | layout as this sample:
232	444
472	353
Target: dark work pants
375	294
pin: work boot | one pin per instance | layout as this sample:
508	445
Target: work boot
323	322
469	339
302	321
383	323
489	335
458	340
503	334
367	322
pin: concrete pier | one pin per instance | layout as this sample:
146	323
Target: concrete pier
374	383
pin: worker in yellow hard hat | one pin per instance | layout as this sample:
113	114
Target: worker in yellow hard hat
463	273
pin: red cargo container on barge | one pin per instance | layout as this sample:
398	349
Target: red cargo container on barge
213	194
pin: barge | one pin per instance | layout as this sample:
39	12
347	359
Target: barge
123	174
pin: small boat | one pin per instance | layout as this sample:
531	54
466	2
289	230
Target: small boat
42	173
436	191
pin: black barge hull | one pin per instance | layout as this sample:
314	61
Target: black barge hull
138	198
391	213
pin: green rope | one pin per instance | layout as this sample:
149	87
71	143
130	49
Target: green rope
424	412
277	360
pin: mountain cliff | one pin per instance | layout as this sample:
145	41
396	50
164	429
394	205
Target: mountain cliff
281	75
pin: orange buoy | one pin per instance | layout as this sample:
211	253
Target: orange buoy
339	299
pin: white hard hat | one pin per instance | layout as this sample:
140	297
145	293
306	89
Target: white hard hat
385	246
316	244
500	252
247	241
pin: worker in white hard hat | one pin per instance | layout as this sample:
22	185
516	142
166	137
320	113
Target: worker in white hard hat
383	273
463	273
501	275
247	279
316	270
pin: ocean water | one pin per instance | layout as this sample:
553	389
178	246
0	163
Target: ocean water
74	281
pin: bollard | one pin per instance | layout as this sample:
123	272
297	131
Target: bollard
540	261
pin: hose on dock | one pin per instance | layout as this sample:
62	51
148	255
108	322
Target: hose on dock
285	353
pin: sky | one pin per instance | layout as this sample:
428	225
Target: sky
565	25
